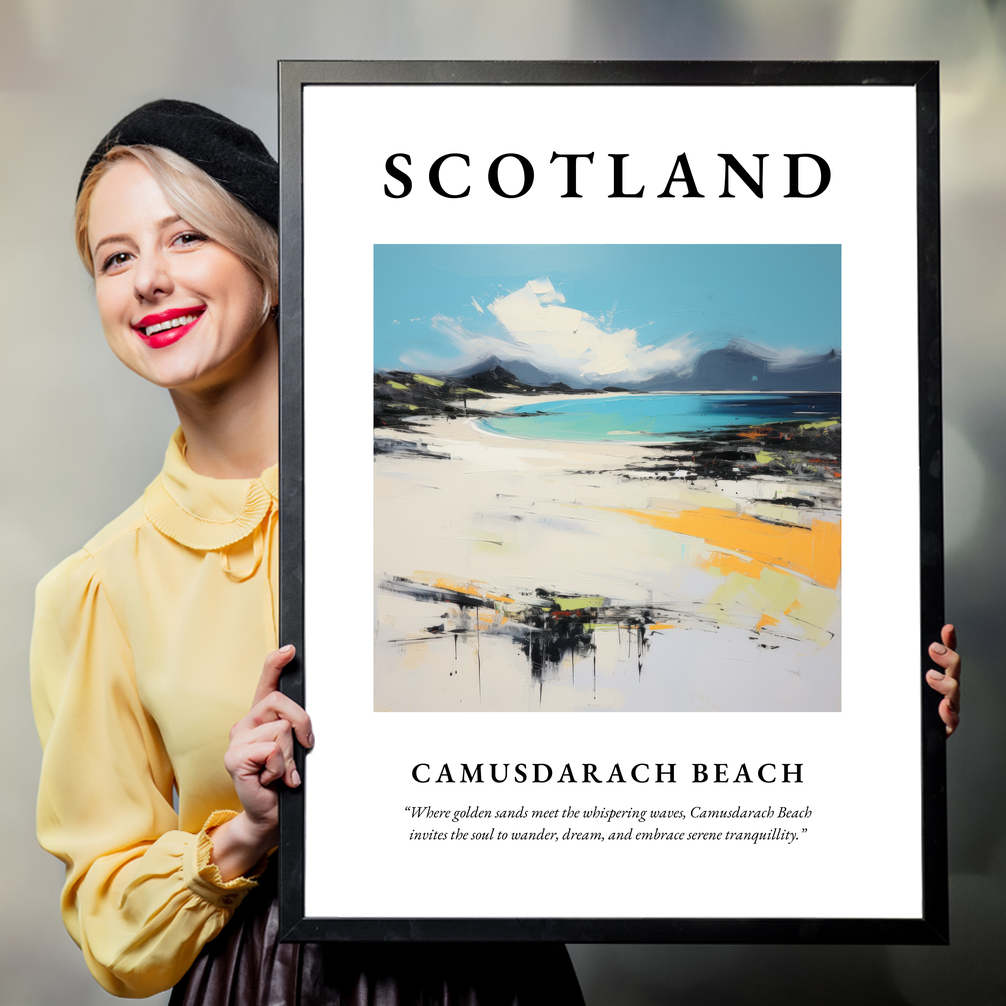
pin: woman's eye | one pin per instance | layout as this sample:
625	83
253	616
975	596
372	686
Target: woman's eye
114	261
190	238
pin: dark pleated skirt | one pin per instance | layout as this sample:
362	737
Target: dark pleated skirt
246	965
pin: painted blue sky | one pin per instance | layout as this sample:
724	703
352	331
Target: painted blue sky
600	313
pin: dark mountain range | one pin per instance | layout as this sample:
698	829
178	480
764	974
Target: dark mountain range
525	375
738	366
496	379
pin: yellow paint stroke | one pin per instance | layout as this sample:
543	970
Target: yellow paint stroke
818	609
819	426
814	551
727	563
469	588
399	387
761	601
432	381
448	583
661	625
772	591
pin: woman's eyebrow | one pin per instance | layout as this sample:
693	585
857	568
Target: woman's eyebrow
160	225
109	240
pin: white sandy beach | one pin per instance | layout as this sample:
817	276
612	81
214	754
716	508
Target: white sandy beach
499	517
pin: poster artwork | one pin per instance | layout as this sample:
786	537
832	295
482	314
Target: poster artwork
607	477
586	416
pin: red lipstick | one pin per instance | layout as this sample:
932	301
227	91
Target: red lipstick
166	327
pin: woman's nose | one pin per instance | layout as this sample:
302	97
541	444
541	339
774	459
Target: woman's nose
152	277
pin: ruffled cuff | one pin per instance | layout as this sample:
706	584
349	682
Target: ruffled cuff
203	878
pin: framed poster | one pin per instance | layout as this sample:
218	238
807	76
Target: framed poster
611	501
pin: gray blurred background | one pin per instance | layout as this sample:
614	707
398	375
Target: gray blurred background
82	436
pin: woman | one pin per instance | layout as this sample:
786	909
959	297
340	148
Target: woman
148	643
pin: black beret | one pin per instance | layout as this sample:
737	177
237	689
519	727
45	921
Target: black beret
230	154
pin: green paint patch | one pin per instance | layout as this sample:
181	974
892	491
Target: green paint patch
431	381
576	603
399	387
819	426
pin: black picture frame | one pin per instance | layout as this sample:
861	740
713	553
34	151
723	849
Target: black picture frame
931	927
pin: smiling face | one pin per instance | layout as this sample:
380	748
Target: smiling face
177	307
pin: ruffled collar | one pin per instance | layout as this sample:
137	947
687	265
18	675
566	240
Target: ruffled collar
203	513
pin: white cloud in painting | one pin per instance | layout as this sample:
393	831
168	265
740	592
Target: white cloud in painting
560	341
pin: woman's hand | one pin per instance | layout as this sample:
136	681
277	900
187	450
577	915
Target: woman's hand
260	753
947	682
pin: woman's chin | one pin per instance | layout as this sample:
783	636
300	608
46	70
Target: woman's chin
173	374
196	365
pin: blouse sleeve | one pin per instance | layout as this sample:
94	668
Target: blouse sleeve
141	898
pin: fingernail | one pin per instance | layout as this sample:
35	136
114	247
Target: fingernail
938	648
295	777
936	675
287	649
310	740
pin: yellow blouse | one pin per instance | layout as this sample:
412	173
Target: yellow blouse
147	647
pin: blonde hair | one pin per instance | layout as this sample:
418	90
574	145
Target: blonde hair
199	200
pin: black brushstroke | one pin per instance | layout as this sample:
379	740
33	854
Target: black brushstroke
409	406
793	501
406	448
443	595
799	454
552	635
547	634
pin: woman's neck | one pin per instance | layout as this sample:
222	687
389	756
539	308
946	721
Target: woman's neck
231	426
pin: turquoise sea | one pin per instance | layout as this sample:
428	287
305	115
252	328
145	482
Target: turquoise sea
658	417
